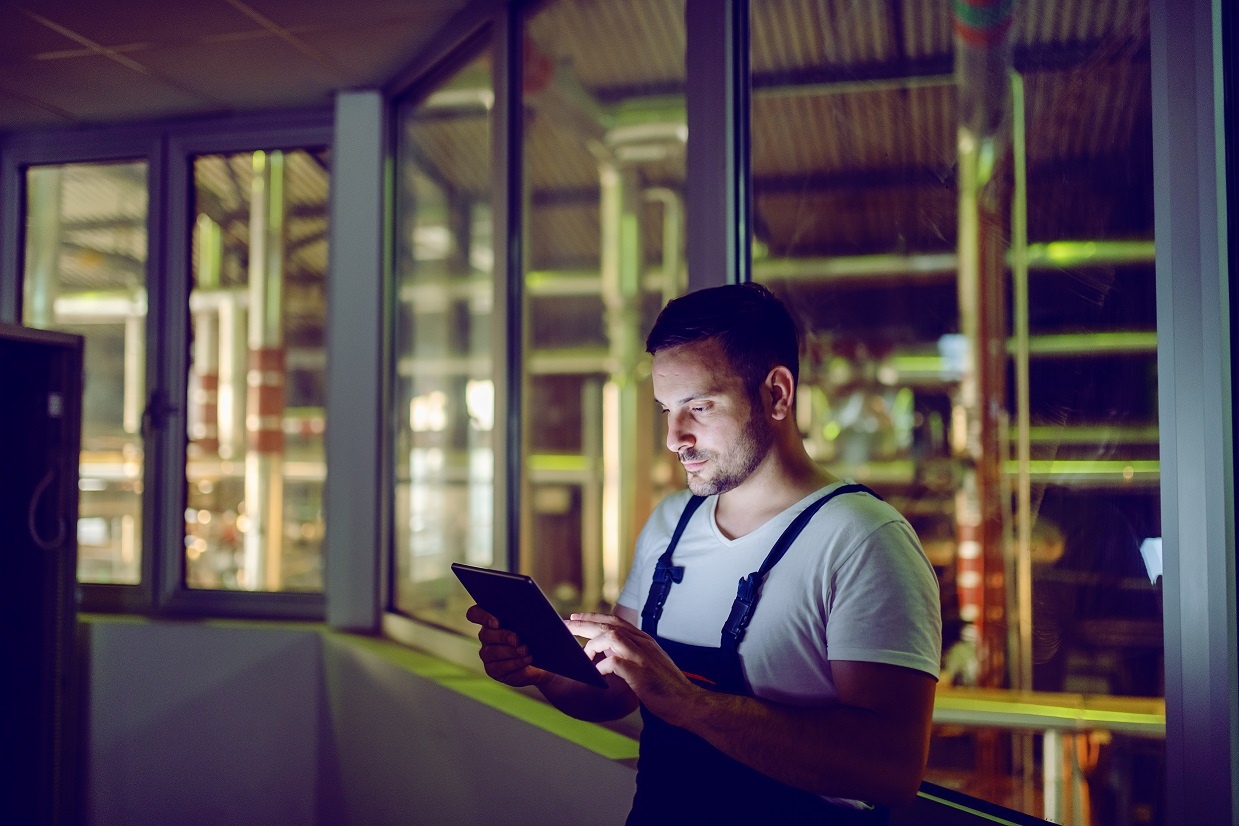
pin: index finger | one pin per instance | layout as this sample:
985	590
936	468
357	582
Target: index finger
602	619
590	626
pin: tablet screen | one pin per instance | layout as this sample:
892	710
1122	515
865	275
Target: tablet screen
520	606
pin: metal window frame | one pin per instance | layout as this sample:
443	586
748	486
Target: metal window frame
718	209
291	130
113	145
166	147
484	24
1195	411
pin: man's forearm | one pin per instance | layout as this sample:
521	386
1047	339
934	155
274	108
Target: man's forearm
840	751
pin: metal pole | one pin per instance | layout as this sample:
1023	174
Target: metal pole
42	246
983	64
264	482
1023	457
623	457
204	426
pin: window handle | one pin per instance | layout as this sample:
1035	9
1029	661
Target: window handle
155	416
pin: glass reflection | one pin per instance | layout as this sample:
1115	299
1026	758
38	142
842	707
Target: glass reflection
604	167
444	388
85	273
961	209
257	380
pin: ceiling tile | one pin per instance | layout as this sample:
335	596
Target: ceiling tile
20	112
96	88
148	21
301	13
22	38
370	54
248	73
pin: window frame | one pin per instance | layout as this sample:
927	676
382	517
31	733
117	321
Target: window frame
168	148
501	25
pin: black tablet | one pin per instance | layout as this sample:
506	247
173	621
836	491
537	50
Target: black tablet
520	606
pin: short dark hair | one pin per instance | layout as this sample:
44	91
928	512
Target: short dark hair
756	331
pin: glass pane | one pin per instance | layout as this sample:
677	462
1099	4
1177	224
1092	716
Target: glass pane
605	168
444	384
257	380
85	273
972	261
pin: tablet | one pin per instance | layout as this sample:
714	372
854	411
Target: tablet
520	606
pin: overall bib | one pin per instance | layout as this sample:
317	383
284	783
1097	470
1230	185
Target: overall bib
680	777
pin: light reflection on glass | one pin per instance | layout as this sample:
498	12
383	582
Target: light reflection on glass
444	386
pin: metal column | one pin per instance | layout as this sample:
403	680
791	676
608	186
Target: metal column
625	455
264	456
43	247
204	424
983	57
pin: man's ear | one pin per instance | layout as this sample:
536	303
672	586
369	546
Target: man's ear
780	388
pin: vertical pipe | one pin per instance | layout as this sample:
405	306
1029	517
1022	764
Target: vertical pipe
42	246
1019	283
672	274
230	397
983	59
133	389
596	575
623	458
204	424
264	489
1052	768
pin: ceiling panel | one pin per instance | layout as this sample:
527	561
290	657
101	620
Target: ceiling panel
116	24
94	87
318	13
248	73
71	61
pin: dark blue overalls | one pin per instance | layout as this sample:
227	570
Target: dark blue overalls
680	777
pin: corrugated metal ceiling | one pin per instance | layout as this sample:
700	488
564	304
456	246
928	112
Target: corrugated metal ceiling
853	128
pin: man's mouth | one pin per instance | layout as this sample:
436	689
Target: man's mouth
692	461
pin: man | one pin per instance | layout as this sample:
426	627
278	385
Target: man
804	695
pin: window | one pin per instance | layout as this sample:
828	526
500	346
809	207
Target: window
604	160
444	396
202	466
973	263
85	273
255	465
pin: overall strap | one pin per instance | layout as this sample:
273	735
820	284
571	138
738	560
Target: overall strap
750	587
665	573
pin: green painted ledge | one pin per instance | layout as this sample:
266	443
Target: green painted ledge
596	738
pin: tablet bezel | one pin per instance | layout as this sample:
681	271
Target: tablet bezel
522	607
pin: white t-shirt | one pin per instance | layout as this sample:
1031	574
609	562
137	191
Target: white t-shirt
855	585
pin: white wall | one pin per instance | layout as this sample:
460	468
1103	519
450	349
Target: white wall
190	723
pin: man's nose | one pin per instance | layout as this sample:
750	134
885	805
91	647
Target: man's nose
678	436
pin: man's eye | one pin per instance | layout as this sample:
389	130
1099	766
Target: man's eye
699	409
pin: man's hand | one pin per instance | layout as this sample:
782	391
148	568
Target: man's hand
503	655
632	655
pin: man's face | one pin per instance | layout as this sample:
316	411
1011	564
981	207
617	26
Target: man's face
711	423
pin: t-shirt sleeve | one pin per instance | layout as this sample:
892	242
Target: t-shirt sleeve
883	603
643	559
632	594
